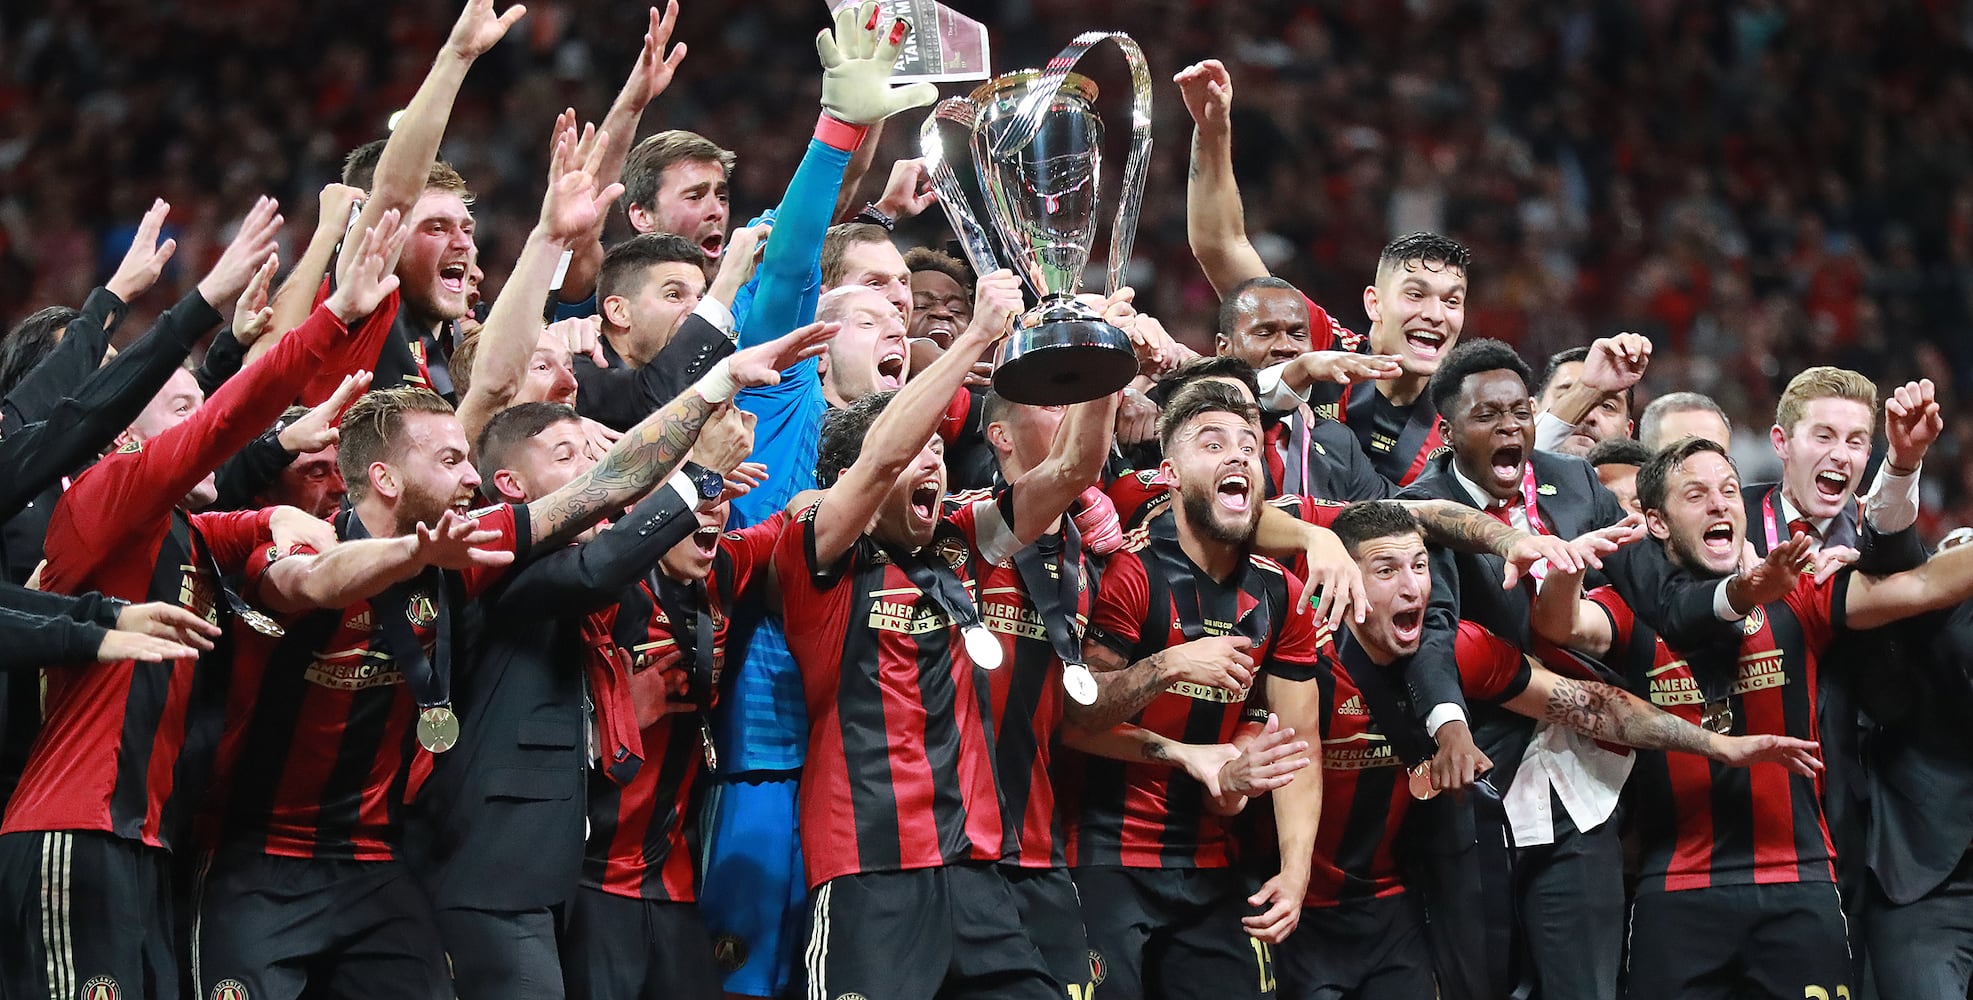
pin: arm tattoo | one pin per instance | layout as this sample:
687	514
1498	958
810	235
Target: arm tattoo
1461	528
1156	751
649	454
1123	693
1609	713
1192	166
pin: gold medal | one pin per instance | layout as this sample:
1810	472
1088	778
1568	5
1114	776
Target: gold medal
438	729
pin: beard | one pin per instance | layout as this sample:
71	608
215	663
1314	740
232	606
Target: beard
420	506
1204	516
1692	557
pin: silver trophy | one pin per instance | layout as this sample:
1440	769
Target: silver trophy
1025	198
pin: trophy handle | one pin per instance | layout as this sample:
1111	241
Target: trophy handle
973	236
1025	124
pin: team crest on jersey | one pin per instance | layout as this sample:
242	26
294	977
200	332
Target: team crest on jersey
952	550
1099	970
1754	622
421	609
102	988
1444	449
229	989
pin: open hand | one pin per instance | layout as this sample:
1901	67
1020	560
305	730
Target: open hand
479	28
1800	756
253	313
146	258
857	57
652	72
763	364
319	427
163	620
250	249
368	280
453	544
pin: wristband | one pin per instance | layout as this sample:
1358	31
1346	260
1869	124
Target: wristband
876	217
717	385
833	131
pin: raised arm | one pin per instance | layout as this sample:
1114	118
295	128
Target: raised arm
1333	577
1561	616
407	158
1611	713
1940	582
651	451
359	570
1215	222
912	417
1614	365
575	201
1075	460
296	296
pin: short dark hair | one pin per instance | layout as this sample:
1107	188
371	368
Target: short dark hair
1229	305
1654	476
1467	359
994	408
1369	520
1618	451
31	342
927	259
644	169
1575	354
372	427
1201	397
629	263
1427	250
509	429
842	436
360	166
837	241
1676	402
1206	366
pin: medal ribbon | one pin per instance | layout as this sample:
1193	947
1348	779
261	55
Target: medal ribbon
1057	608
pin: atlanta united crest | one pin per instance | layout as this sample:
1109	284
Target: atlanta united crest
229	989
421	609
1754	622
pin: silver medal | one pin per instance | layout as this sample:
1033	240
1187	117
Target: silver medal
982	647
1081	684
438	729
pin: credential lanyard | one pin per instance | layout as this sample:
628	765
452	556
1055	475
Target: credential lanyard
938	582
429	678
1056	605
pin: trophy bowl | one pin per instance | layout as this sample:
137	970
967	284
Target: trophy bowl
1018	169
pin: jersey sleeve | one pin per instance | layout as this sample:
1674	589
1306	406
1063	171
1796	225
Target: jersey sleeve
262	555
1116	620
988	523
1325	334
1138	496
1819	607
1295	653
512	525
1622	621
232	536
751	549
1490	668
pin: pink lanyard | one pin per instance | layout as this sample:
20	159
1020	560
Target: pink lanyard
1767	520
1528	500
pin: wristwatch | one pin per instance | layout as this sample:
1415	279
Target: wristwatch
710	484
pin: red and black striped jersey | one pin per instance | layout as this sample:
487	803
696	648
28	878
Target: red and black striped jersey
127	747
1701	823
1027	698
1138	497
1314	510
639	838
1364	793
1141	815
899	773
320	752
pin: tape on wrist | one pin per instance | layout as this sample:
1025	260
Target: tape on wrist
717	385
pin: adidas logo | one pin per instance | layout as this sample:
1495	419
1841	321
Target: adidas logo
1353	706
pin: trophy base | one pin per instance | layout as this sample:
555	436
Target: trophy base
1067	357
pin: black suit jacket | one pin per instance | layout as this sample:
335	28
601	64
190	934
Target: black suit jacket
1571	501
500	822
1920	763
619	396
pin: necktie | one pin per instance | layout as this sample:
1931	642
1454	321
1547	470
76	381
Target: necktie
1804	526
1499	513
616	711
1277	469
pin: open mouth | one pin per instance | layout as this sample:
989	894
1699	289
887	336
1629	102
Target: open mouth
924	499
706	539
1235	493
942	329
1832	484
890	371
1408	624
1425	343
1718	536
464	504
453	277
713	244
1506	462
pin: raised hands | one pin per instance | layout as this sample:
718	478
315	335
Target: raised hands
319	428
726	440
1773	577
996	302
857	58
253	313
452	544
146	258
763	364
573	206
1912	421
479	29
367	279
1208	94
909	190
1616	363
250	249
652	72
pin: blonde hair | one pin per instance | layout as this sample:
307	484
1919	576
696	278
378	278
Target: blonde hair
1823	382
372	427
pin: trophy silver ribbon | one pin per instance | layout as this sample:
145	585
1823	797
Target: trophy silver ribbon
1018	165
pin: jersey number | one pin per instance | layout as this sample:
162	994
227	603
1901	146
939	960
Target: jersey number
1820	993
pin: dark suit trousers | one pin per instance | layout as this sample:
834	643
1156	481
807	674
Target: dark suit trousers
1571	899
1924	949
499	954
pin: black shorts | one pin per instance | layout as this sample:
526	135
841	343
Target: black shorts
1052	915
268	927
934	932
1172	933
618	948
1785	941
86	914
1365	949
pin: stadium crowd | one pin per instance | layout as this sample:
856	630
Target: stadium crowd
590	557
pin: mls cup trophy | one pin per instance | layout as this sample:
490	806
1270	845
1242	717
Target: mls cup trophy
1018	166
